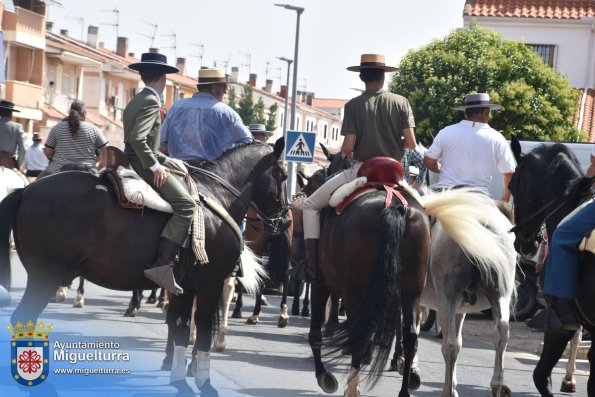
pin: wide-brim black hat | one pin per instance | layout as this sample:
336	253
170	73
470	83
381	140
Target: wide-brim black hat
153	61
481	100
8	106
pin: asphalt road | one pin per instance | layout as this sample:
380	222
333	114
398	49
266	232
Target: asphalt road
260	360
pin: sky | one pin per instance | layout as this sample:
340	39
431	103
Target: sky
251	34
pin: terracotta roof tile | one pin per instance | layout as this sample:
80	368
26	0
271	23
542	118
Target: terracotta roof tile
549	9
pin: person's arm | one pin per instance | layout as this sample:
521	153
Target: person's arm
348	145
507	176
49	152
432	164
102	157
416	159
409	138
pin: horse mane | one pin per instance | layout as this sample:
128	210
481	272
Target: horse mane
207	164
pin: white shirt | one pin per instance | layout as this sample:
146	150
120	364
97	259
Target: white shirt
35	159
468	153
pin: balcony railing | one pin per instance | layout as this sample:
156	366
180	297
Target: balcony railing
24	27
23	94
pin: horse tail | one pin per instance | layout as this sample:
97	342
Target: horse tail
374	323
254	271
472	219
278	256
8	215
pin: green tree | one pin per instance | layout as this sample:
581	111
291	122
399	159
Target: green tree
231	98
271	123
254	113
246	105
538	102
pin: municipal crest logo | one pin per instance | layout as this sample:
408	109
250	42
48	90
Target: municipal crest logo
30	358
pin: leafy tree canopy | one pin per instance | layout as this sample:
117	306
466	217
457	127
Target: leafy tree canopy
538	102
250	111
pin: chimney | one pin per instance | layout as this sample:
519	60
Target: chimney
154	50
122	46
49	26
181	64
304	96
64	32
235	73
101	44
92	36
283	92
269	86
252	80
309	98
131	54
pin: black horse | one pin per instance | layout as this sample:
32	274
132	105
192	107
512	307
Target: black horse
547	185
69	224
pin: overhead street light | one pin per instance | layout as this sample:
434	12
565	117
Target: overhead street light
289	61
290	167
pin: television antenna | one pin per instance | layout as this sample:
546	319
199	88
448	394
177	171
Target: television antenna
202	50
152	35
116	13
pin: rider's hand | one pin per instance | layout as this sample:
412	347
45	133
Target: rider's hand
160	176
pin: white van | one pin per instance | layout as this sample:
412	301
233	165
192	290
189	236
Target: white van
581	150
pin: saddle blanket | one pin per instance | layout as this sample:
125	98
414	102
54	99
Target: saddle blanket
140	192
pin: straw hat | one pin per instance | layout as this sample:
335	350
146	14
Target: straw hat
259	129
372	61
211	76
153	61
481	100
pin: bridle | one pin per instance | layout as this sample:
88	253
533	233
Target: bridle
273	225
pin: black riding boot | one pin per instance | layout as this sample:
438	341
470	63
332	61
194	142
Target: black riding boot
312	270
567	313
161	272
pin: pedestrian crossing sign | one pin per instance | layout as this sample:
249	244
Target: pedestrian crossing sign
300	146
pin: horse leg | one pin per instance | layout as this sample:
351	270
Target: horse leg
60	294
161	298
320	295
353	377
306	303
178	319
451	324
409	332
226	296
134	304
169	350
204	316
79	301
237	311
284	316
38	292
192	337
153	297
569	382
333	312
554	343
255	317
591	357
295	307
501	333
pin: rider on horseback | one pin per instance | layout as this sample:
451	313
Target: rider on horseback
376	123
11	137
142	123
562	262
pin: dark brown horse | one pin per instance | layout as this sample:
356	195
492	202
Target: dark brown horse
110	246
547	185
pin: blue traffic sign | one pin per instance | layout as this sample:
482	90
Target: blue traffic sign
300	146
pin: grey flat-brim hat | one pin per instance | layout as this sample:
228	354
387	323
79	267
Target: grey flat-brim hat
481	100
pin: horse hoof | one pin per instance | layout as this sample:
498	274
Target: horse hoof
253	320
283	321
346	351
220	341
414	379
207	390
327	382
236	314
166	364
191	366
151	301
305	312
394	365
295	311
501	391
263	301
160	304
183	388
130	312
79	304
568	386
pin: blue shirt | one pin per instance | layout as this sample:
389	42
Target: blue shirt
202	128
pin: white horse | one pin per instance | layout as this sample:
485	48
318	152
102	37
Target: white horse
11	179
473	275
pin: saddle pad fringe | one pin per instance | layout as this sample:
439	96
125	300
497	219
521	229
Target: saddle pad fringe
343	191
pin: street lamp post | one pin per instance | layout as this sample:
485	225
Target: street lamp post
290	167
289	61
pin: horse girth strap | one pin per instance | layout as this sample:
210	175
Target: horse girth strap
265	219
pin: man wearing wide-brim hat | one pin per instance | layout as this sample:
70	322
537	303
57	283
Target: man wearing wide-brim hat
142	124
376	123
35	159
203	127
11	137
259	132
468	152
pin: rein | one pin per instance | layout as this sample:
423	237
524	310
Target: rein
538	212
273	223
